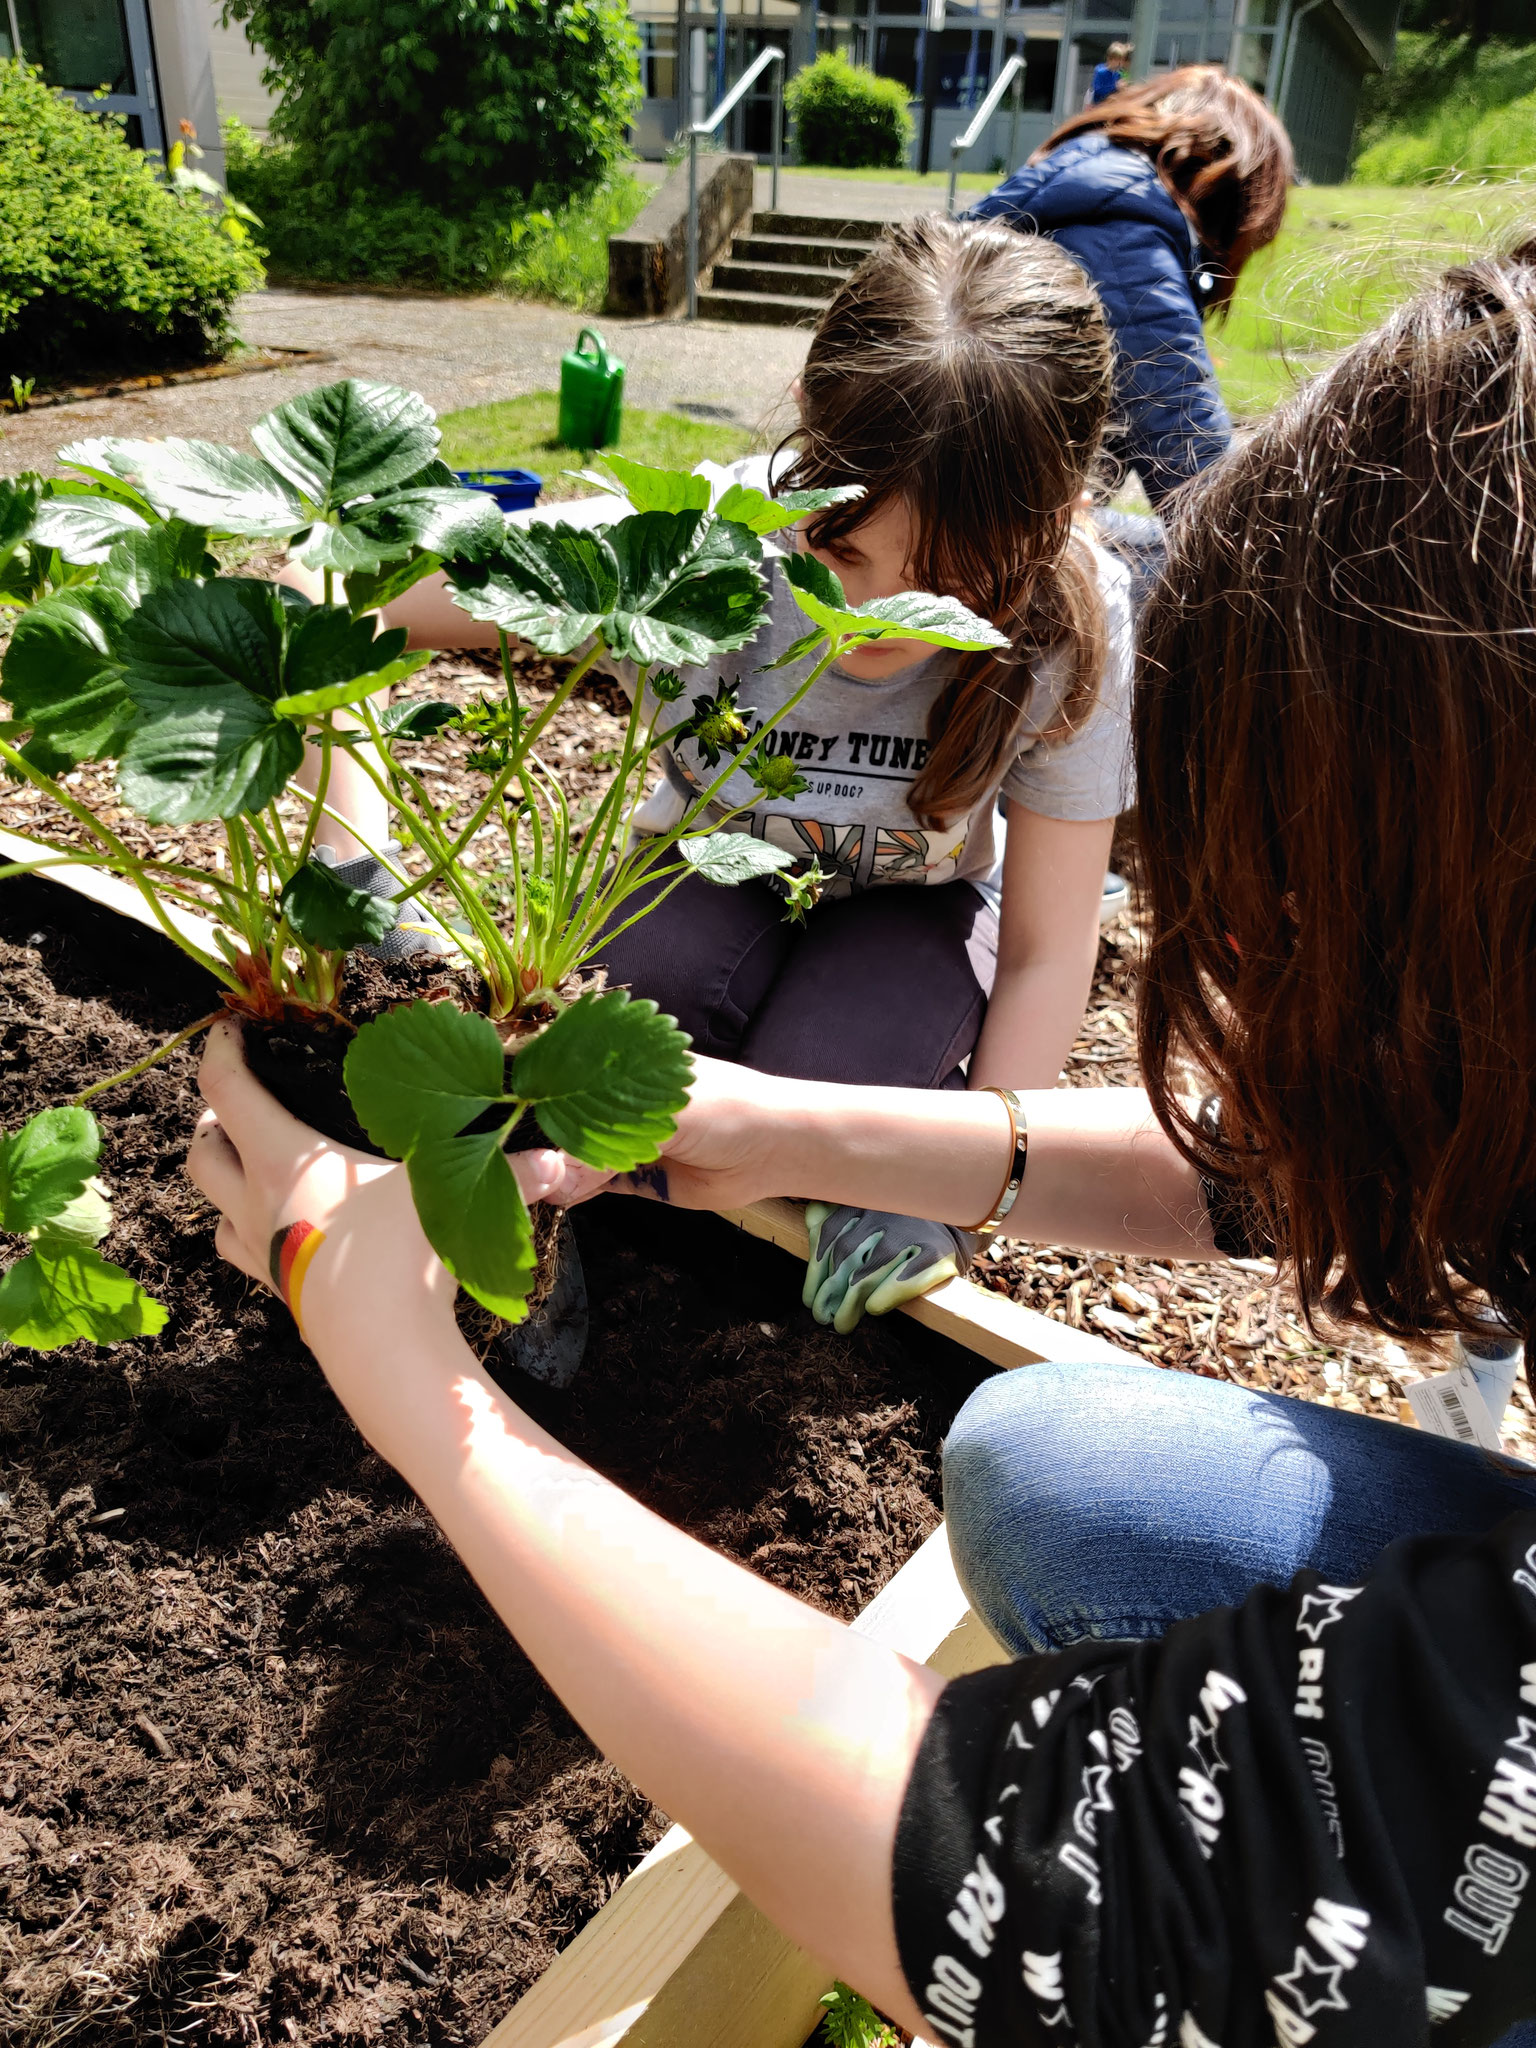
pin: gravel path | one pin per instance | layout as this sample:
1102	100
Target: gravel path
455	351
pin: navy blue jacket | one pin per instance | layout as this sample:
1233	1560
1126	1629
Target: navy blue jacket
1107	206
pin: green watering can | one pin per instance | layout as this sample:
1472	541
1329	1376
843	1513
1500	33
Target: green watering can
591	393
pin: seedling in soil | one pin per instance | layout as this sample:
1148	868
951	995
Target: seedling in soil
205	689
61	1288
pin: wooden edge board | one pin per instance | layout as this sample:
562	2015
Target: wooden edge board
1003	1332
107	890
679	1958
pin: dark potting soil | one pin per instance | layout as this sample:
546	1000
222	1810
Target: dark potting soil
270	1770
301	1057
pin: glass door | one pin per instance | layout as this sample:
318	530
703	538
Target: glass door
100	53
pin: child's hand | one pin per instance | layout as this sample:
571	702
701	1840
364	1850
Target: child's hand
867	1262
335	1233
735	1142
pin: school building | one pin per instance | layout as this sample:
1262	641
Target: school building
164	61
1308	57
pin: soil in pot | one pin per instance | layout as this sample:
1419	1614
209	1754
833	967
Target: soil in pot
269	1768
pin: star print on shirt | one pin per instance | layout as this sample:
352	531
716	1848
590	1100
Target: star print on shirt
1202	1740
1307	1970
1329	1603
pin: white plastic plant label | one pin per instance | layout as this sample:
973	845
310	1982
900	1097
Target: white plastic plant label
1452	1404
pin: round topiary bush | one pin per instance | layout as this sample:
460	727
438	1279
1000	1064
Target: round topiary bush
453	102
848	118
102	266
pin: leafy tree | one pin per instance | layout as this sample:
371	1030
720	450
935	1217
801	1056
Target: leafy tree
102	264
457	100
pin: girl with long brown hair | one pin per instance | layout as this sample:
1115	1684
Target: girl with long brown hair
1162	191
1264	1767
960	379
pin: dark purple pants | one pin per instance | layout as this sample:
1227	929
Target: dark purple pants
888	986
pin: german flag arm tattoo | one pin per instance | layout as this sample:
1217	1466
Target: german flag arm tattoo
288	1261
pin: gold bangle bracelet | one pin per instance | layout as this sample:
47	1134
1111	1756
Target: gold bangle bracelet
1018	1159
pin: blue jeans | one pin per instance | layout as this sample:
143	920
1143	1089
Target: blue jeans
1114	1500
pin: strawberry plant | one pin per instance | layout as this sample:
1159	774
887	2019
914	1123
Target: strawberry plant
61	1288
205	690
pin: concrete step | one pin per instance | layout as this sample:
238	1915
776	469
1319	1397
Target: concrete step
759	309
814	227
798	280
756	248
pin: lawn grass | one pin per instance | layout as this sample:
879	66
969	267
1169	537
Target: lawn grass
519	433
1347	255
1450	104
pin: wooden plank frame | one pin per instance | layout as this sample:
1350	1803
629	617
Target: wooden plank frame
679	1957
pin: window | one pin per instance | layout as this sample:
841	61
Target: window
658	59
80	45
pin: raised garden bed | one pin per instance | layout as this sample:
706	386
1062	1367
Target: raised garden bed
269	1768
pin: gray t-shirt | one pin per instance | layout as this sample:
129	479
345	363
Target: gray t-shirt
860	746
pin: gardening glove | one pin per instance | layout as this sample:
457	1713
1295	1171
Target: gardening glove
419	933
867	1261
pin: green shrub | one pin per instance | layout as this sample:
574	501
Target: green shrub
1450	105
848	118
558	254
101	265
453	102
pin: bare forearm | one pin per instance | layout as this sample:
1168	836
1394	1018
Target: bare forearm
1101	1174
781	1740
1032	1018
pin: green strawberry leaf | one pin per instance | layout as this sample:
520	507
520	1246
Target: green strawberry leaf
333	659
113	464
370	589
62	678
914	615
732	857
84	1221
691	588
140	562
659	490
606	1079
328	913
806	644
417	718
82	526
340	549
348	440
422	1071
550	585
454	521
56	1297
20	497
45	1166
220	488
199	754
761	514
192	636
475	1220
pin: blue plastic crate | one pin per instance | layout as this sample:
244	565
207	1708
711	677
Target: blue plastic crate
513	489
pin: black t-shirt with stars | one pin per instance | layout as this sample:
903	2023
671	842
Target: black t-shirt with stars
1308	1819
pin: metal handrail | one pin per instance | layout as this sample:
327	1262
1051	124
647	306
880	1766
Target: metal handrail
697	128
1012	74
